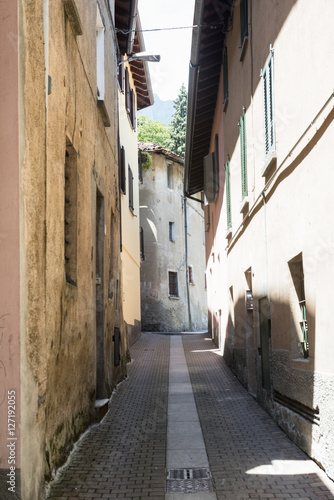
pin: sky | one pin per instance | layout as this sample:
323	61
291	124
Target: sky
174	46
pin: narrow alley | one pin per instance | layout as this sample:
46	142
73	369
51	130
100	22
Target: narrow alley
182	424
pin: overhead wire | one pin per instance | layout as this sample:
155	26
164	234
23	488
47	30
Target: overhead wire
211	26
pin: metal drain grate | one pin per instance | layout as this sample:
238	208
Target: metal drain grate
189	481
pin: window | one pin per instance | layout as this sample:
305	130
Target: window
228	193
297	274
268	105
140	167
127	92
170	175
130	177
100	55
133	109
122	170
191	275
225	77
205	282
111	257
243	23
142	253
121	74
172	231
211	174
70	230
173	286
243	151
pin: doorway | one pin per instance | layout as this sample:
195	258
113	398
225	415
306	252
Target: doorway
264	338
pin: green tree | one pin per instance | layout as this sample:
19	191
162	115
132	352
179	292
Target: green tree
179	123
153	131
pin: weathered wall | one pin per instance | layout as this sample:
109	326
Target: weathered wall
66	330
10	312
287	221
159	206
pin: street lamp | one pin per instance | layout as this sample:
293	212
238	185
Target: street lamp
141	56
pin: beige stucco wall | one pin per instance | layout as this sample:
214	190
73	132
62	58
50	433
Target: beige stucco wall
130	224
292	218
10	313
160	205
55	321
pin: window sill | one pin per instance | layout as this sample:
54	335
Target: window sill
244	206
103	112
173	298
270	164
73	16
243	48
228	233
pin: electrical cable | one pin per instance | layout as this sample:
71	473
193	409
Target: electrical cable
211	26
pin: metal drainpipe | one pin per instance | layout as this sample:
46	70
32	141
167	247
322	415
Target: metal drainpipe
186	252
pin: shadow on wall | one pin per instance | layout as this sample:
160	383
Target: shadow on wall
266	353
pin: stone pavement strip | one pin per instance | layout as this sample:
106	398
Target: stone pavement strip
129	454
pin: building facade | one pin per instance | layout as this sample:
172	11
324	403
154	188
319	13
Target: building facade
135	93
173	291
268	115
63	338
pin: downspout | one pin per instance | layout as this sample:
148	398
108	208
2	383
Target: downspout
186	258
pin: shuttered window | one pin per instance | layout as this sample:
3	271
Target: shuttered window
133	109
121	74
225	76
243	151
122	170
228	194
70	209
130	179
127	92
142	252
268	105
172	282
243	20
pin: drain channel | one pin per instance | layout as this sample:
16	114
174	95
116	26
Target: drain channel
189	481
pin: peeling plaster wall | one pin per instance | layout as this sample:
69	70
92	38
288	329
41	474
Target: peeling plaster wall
57	320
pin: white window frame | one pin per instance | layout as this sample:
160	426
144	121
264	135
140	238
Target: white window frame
268	105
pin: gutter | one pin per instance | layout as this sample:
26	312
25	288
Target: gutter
192	88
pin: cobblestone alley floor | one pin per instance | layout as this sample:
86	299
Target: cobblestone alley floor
124	457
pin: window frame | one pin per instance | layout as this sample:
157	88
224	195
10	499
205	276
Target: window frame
243	154
243	26
122	171
131	193
174	275
228	193
70	214
267	75
172	231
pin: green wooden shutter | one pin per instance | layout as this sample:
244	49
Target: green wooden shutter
228	194
242	129
268	105
243	20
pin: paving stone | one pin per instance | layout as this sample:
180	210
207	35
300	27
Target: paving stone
124	457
